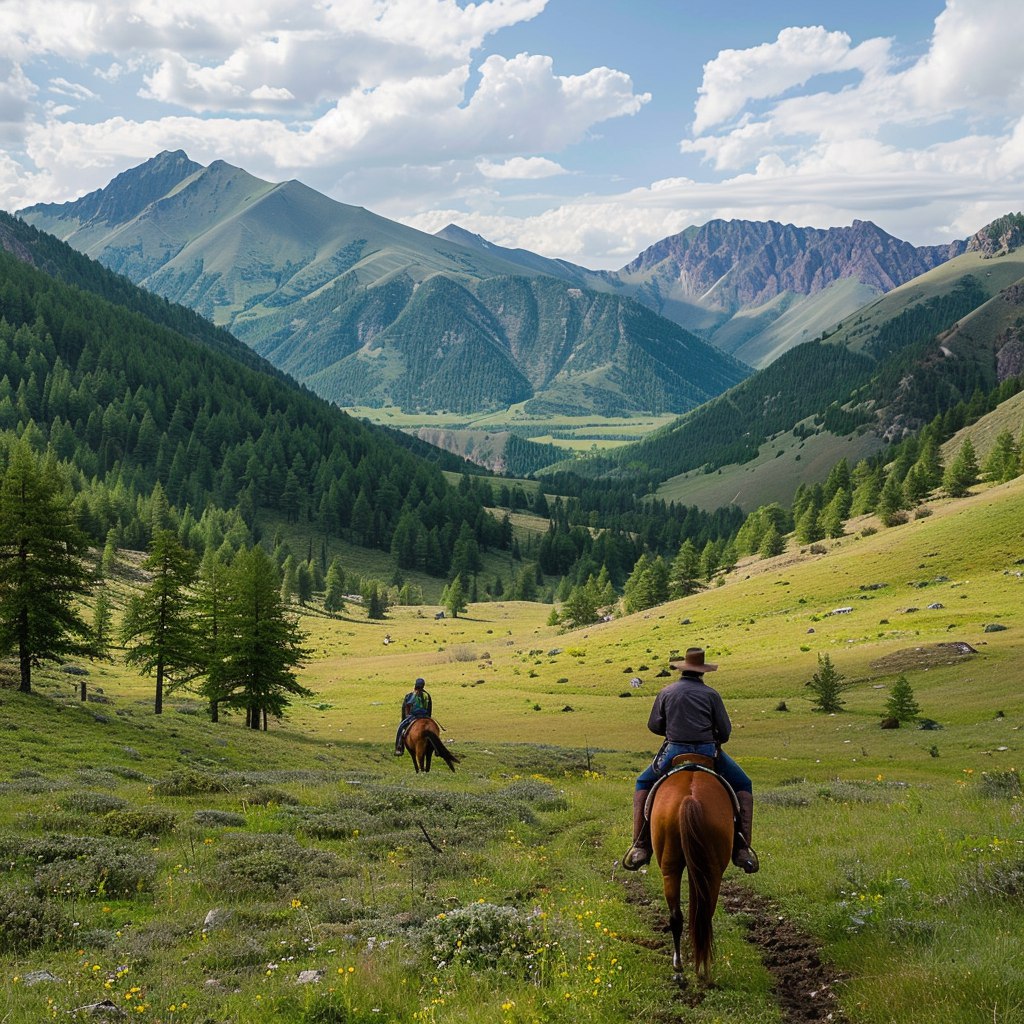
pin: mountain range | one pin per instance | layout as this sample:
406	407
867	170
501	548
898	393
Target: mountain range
370	312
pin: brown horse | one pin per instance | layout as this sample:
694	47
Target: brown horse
423	740
692	827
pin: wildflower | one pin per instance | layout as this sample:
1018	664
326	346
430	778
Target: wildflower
296	904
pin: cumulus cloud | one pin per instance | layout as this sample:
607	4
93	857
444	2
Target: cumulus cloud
735	77
520	168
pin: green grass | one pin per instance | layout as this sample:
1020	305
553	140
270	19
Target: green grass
900	851
574	433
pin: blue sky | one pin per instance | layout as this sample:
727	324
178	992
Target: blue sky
583	129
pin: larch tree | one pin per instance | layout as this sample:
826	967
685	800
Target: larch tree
158	629
259	645
43	573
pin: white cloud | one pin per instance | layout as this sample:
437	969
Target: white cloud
735	77
520	168
76	91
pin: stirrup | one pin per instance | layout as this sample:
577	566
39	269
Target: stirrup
746	859
636	857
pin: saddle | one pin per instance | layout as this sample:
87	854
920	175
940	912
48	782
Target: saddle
692	763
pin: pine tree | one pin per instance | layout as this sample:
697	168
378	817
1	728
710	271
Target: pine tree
900	703
454	597
208	607
42	572
827	685
772	544
683	573
962	473
1003	462
891	502
158	631
334	598
102	619
259	645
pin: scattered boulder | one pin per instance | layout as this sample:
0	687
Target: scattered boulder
102	1009
310	977
781	706
928	724
216	918
994	627
568	707
628	693
936	606
40	977
890	723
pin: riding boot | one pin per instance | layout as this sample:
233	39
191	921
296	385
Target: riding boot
640	852
743	855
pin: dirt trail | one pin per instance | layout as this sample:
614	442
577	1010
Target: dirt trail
804	985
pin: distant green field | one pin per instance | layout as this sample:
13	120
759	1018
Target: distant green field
574	433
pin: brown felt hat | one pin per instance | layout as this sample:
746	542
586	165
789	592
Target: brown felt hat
692	661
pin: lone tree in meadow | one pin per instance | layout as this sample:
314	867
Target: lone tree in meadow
454	597
900	703
827	686
258	643
43	573
158	629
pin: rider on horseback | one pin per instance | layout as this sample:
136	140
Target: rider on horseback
692	718
416	704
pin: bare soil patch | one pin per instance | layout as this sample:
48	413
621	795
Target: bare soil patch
804	983
910	659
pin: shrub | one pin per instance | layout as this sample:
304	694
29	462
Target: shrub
91	803
27	921
265	864
264	796
79	865
227	819
1001	784
484	935
189	783
540	795
137	822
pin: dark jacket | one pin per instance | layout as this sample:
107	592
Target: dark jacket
690	711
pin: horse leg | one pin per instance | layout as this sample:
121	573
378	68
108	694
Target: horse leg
427	755
672	882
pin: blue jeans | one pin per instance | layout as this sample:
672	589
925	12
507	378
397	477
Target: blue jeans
724	765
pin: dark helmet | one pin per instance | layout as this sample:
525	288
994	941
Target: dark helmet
419	684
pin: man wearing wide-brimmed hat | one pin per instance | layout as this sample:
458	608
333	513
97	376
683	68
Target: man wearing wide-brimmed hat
692	718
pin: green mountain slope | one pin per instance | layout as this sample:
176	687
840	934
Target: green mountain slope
369	312
885	372
157	428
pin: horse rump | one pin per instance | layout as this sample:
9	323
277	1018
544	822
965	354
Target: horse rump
438	747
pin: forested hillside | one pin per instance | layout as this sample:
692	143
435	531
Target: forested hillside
158	429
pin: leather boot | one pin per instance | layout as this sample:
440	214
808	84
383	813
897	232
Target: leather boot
743	855
639	853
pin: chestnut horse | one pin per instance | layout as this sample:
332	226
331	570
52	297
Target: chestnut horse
691	820
423	740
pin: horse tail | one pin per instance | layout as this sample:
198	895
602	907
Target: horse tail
437	745
700	865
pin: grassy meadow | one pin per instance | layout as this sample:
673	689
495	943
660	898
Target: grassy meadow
190	872
577	434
